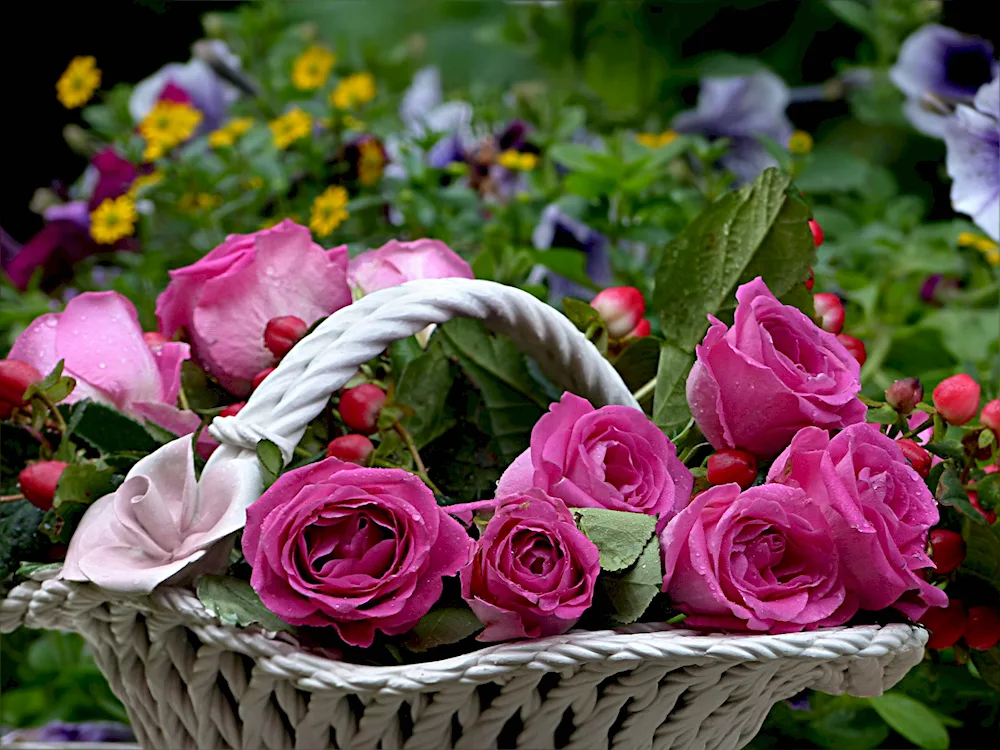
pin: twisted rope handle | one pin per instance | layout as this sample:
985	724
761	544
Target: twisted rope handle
296	392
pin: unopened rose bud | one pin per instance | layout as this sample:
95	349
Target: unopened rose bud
641	330
990	416
905	394
282	333
353	448
810	282
916	456
361	406
621	308
38	482
15	378
259	377
817	232
855	346
233	409
830	311
957	399
947	624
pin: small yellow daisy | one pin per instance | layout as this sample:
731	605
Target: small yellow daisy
228	133
78	83
311	69
353	91
800	142
371	162
167	125
290	127
143	181
329	211
112	220
655	140
517	161
967	239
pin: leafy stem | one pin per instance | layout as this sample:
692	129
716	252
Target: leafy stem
411	446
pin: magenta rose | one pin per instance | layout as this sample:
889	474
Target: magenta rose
99	339
612	457
878	507
360	550
763	560
225	300
397	262
533	571
774	372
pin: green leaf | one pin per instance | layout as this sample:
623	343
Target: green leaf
235	602
632	592
986	438
442	627
988	665
424	386
83	483
19	535
579	158
638	363
570	264
54	387
28	569
982	551
620	536
884	414
913	720
854	14
947	449
108	430
988	491
402	352
202	393
951	492
271	462
832	170
670	407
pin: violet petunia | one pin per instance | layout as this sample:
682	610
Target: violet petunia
557	229
938	68
972	137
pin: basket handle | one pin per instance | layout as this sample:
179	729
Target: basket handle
296	392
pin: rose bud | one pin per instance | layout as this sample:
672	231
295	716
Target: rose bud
810	282
353	448
982	632
360	407
621	307
282	333
732	466
233	409
947	624
905	394
154	340
917	457
259	377
15	378
817	232
855	346
947	550
641	330
830	311
957	399
38	482
990	416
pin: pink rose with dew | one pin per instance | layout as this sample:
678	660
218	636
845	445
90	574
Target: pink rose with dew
398	262
225	300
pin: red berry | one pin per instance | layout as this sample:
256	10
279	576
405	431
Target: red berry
38	482
855	346
15	378
817	231
947	624
353	448
989	515
957	399
360	407
811	281
259	377
947	550
732	466
282	333
990	416
154	340
233	409
641	330
621	307
917	457
905	394
830	311
983	629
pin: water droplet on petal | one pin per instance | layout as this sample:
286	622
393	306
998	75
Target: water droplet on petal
101	365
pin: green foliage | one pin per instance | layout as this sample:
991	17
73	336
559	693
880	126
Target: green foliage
109	430
620	536
271	462
235	602
442	627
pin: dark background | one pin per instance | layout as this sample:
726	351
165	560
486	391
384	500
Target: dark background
133	39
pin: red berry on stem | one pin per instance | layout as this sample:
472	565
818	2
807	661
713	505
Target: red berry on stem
905	394
621	307
38	482
817	231
282	333
353	448
982	632
830	311
947	624
855	346
811	281
918	458
957	399
989	515
15	378
154	339
259	377
233	409
360	407
732	466
641	330
947	550
990	416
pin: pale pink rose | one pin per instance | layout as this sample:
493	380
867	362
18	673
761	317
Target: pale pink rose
763	559
99	339
612	457
533	571
360	550
397	262
878	507
225	300
774	372
160	525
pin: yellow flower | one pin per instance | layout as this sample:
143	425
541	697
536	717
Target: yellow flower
967	239
167	125
655	140
800	142
311	68
353	91
291	126
113	220
329	211
371	161
78	82
144	181
517	161
353	123
993	256
207	201
228	133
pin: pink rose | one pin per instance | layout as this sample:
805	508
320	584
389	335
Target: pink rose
763	559
99	338
397	262
225	300
775	371
333	544
612	457
533	571
879	508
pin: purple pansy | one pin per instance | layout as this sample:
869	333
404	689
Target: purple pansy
741	108
938	68
972	136
83	732
559	230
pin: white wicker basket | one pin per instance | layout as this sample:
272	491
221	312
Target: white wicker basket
190	682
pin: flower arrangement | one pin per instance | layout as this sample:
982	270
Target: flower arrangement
783	475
